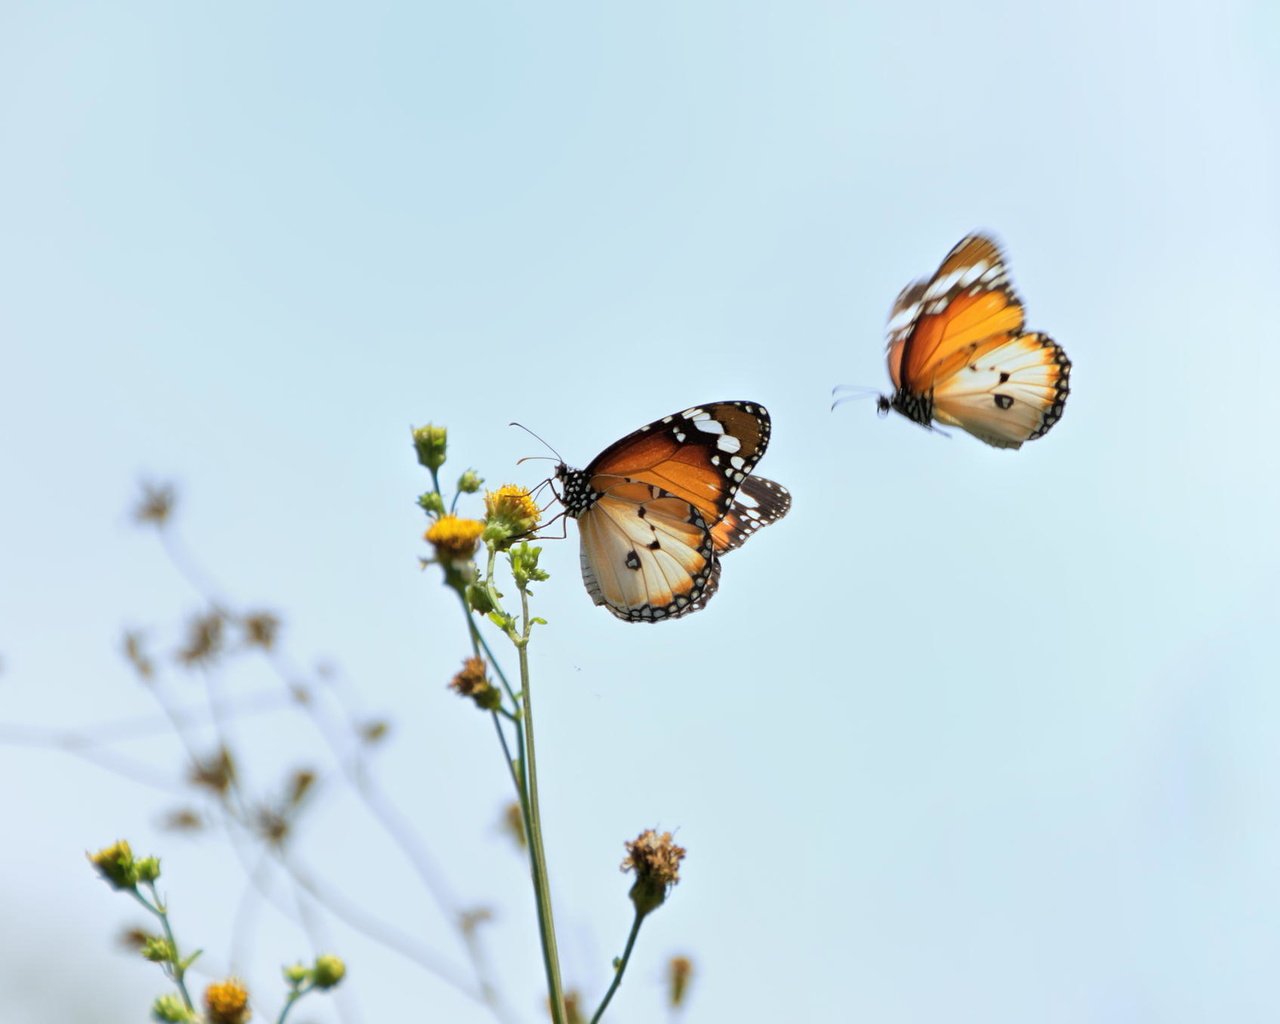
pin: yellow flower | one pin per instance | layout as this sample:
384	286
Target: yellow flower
514	507
227	1002
454	538
115	863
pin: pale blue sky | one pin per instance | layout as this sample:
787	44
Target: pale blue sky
982	735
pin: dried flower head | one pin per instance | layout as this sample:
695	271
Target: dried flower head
300	783
183	819
470	920
227	1002
137	657
471	681
261	629
573	1013
454	538
204	640
134	938
156	504
679	974
272	824
513	824
656	861
215	773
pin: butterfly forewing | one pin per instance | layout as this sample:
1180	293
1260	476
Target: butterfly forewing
701	455
646	555
902	318
968	300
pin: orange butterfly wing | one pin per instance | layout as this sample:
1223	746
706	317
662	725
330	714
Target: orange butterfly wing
701	455
647	555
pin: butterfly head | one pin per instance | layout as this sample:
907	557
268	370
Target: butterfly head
578	494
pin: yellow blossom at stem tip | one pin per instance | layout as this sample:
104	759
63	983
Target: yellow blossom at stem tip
454	538
514	507
227	1002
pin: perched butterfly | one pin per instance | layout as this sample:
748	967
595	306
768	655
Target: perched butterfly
958	355
657	509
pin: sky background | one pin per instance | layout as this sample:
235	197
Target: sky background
971	734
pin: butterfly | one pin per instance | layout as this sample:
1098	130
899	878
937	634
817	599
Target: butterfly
658	508
957	353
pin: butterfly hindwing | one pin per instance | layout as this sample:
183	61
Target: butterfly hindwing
758	503
1009	391
647	555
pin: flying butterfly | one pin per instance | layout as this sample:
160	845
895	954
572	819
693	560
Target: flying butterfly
658	508
958	355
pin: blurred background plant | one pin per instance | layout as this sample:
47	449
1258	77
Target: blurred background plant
232	787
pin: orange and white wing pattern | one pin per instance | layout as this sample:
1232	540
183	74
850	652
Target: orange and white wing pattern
701	455
656	508
957	353
647	555
1012	389
758	503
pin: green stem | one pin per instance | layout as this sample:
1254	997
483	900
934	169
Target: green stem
176	968
477	643
533	819
293	997
622	966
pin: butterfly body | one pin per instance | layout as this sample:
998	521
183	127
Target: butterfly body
958	355
657	508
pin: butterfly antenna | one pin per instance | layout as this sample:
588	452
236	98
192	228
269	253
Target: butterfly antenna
535	436
843	393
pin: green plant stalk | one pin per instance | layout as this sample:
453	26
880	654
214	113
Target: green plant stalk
477	642
622	966
293	997
176	969
533	823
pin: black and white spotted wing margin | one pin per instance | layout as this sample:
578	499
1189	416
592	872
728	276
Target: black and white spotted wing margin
758	503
